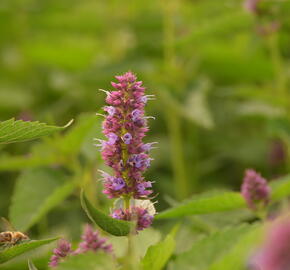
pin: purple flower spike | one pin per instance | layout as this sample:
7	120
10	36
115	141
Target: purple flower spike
274	255
255	190
63	250
125	127
92	241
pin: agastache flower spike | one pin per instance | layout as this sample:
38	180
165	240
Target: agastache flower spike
63	250
125	126
255	190
92	241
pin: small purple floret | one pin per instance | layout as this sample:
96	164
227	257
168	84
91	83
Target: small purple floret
118	183
110	110
112	138
127	138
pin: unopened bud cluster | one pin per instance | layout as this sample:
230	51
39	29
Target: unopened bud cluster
255	190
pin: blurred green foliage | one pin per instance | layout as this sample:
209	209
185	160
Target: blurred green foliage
221	86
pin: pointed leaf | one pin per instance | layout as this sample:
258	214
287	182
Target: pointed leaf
157	256
204	204
12	130
37	191
11	252
111	225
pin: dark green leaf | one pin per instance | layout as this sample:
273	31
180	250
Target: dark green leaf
111	225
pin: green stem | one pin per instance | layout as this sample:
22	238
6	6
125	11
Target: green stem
277	60
280	82
182	186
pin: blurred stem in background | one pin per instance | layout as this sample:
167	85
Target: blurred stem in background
280	84
173	119
279	68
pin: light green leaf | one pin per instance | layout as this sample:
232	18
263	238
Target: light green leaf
111	225
12	130
88	261
10	163
11	252
238	257
31	265
211	249
280	188
37	191
157	256
204	204
73	140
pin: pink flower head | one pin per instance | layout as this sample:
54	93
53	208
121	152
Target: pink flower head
62	250
125	125
255	190
92	241
140	215
274	255
251	5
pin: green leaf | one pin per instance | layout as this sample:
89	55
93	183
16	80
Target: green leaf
11	163
211	249
36	192
12	130
280	188
31	266
11	252
111	225
73	140
157	256
88	261
204	204
238	256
